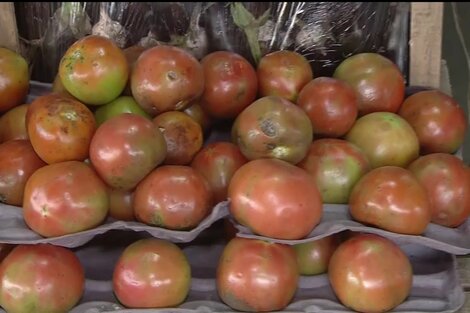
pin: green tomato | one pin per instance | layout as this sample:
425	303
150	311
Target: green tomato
124	104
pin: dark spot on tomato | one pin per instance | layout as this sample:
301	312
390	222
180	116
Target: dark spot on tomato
268	128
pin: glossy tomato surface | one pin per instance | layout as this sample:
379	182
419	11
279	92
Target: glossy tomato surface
14	79
13	124
313	257
197	113
121	206
124	104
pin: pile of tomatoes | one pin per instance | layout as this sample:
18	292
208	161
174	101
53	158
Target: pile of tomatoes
122	135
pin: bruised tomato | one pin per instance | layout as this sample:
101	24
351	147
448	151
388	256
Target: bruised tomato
14	79
94	70
13	124
275	199
18	162
196	112
121	206
41	278
257	276
313	256
64	198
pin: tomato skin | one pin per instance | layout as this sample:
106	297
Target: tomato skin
166	78
58	87
283	73
94	70
369	273
268	194
447	182
231	84
438	120
173	197
313	257
121	205
14	79
131	53
18	162
243	270
196	112
13	124
152	273
272	127
118	106
391	198
330	104
57	201
40	278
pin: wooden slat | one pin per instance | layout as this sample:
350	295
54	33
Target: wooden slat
426	43
8	28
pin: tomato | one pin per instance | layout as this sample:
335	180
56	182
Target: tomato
231	84
18	162
437	119
5	250
14	79
121	205
125	149
131	53
283	73
447	183
183	136
378	82
275	199
173	197
58	87
272	127
257	276
42	279
385	138
391	198
217	162
336	166
313	257
94	70
166	78
196	112
13	124
152	273
64	198
369	273
120	105
330	104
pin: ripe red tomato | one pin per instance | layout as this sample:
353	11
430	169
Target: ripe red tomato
336	166
272	127
166	78
385	138
14	79
64	198
231	84
437	119
330	104
173	197
378	82
391	198
152	273
275	199
447	183
94	70
125	149
196	112
121	205
283	73
370	273
41	278
257	276
13	124
313	257
18	162
60	128
183	136
217	162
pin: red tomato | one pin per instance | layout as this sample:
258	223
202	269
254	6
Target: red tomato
447	183
272	127
378	82
369	273
152	273
196	112
166	78
231	84
257	276
173	197
331	106
313	256
14	79
18	162
217	162
132	54
283	73
437	119
41	278
391	198
125	149
94	70
60	128
336	166
64	198
13	124
121	205
275	199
